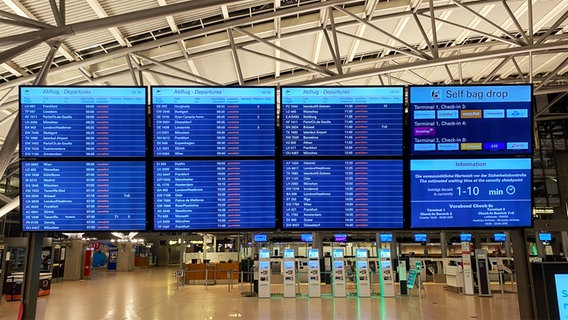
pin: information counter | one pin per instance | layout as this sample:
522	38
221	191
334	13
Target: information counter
13	286
211	271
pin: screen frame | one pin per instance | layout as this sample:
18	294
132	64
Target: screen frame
150	121
419	236
148	137
471	154
315	157
63	160
501	235
544	236
466	227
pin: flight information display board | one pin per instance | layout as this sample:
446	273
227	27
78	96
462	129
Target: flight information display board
470	193
83	196
468	120
214	121
214	194
82	122
342	121
342	194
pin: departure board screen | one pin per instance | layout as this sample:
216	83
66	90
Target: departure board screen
471	120
470	193
214	121
82	122
83	195
214	194
342	194
342	121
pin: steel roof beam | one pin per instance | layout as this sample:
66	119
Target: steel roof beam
235	56
30	23
561	45
507	33
515	21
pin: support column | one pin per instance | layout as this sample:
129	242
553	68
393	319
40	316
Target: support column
443	244
522	273
564	239
508	252
31	275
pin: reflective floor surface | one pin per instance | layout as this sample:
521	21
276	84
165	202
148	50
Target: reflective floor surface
153	294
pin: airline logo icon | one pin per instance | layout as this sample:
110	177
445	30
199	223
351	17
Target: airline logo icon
517	113
471	114
448	114
448	146
425	114
494	146
425	147
424	131
517	145
471	146
500	113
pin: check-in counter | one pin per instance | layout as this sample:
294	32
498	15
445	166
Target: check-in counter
215	272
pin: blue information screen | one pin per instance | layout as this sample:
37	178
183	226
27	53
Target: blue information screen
338	121
211	194
83	121
342	194
470	193
468	120
213	121
83	196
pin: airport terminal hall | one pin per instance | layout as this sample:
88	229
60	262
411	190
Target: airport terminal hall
283	159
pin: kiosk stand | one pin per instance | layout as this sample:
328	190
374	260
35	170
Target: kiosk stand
314	282
386	273
289	274
338	274
402	276
482	272
264	273
363	279
467	270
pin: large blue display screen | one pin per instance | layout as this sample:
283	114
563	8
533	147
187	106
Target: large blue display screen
83	196
467	120
213	121
470	193
210	194
342	194
338	121
83	121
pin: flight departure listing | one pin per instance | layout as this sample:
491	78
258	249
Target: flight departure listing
83	121
342	194
214	121
342	121
83	196
212	194
470	120
470	193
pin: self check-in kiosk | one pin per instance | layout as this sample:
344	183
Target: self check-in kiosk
482	264
386	273
314	282
338	274
363	279
264	273
289	273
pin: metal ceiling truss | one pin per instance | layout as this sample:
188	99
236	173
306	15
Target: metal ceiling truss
403	56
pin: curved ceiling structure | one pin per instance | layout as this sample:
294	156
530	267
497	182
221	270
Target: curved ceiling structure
278	42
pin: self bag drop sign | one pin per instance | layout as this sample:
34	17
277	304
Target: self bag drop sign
562	295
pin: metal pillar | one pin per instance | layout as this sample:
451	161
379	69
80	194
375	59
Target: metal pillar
522	270
443	244
564	238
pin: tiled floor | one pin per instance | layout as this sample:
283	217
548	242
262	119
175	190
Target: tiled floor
152	294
